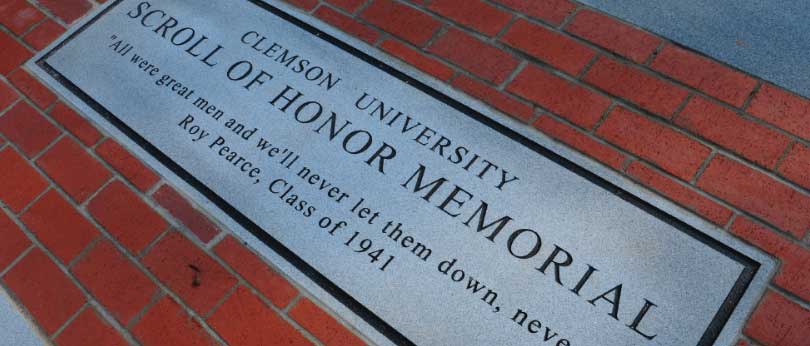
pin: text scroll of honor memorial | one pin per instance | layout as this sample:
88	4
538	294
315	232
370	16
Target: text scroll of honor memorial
414	212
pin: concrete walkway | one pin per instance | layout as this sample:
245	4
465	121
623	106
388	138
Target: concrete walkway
15	329
770	39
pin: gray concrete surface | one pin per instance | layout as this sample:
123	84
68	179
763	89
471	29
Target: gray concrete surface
770	39
15	329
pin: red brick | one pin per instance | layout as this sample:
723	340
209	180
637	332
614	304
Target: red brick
758	194
763	238
19	15
796	165
580	141
552	11
243	313
570	100
122	213
129	166
649	92
14	54
494	97
348	5
26	127
70	166
704	74
414	57
28	85
67	10
482	59
76	124
402	21
181	209
674	152
621	38
476	14
115	281
45	33
259	274
549	46
731	131
787	111
19	182
347	24
44	290
794	274
304	4
167	324
188	271
778	321
7	95
59	226
14	241
679	193
89	329
322	325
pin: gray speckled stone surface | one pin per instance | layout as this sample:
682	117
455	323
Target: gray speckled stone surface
15	328
769	39
687	277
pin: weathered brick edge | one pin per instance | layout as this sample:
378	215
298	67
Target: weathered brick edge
101	251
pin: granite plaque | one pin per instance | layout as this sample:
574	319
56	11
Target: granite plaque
418	214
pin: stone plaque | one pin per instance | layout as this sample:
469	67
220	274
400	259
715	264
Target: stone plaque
415	214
